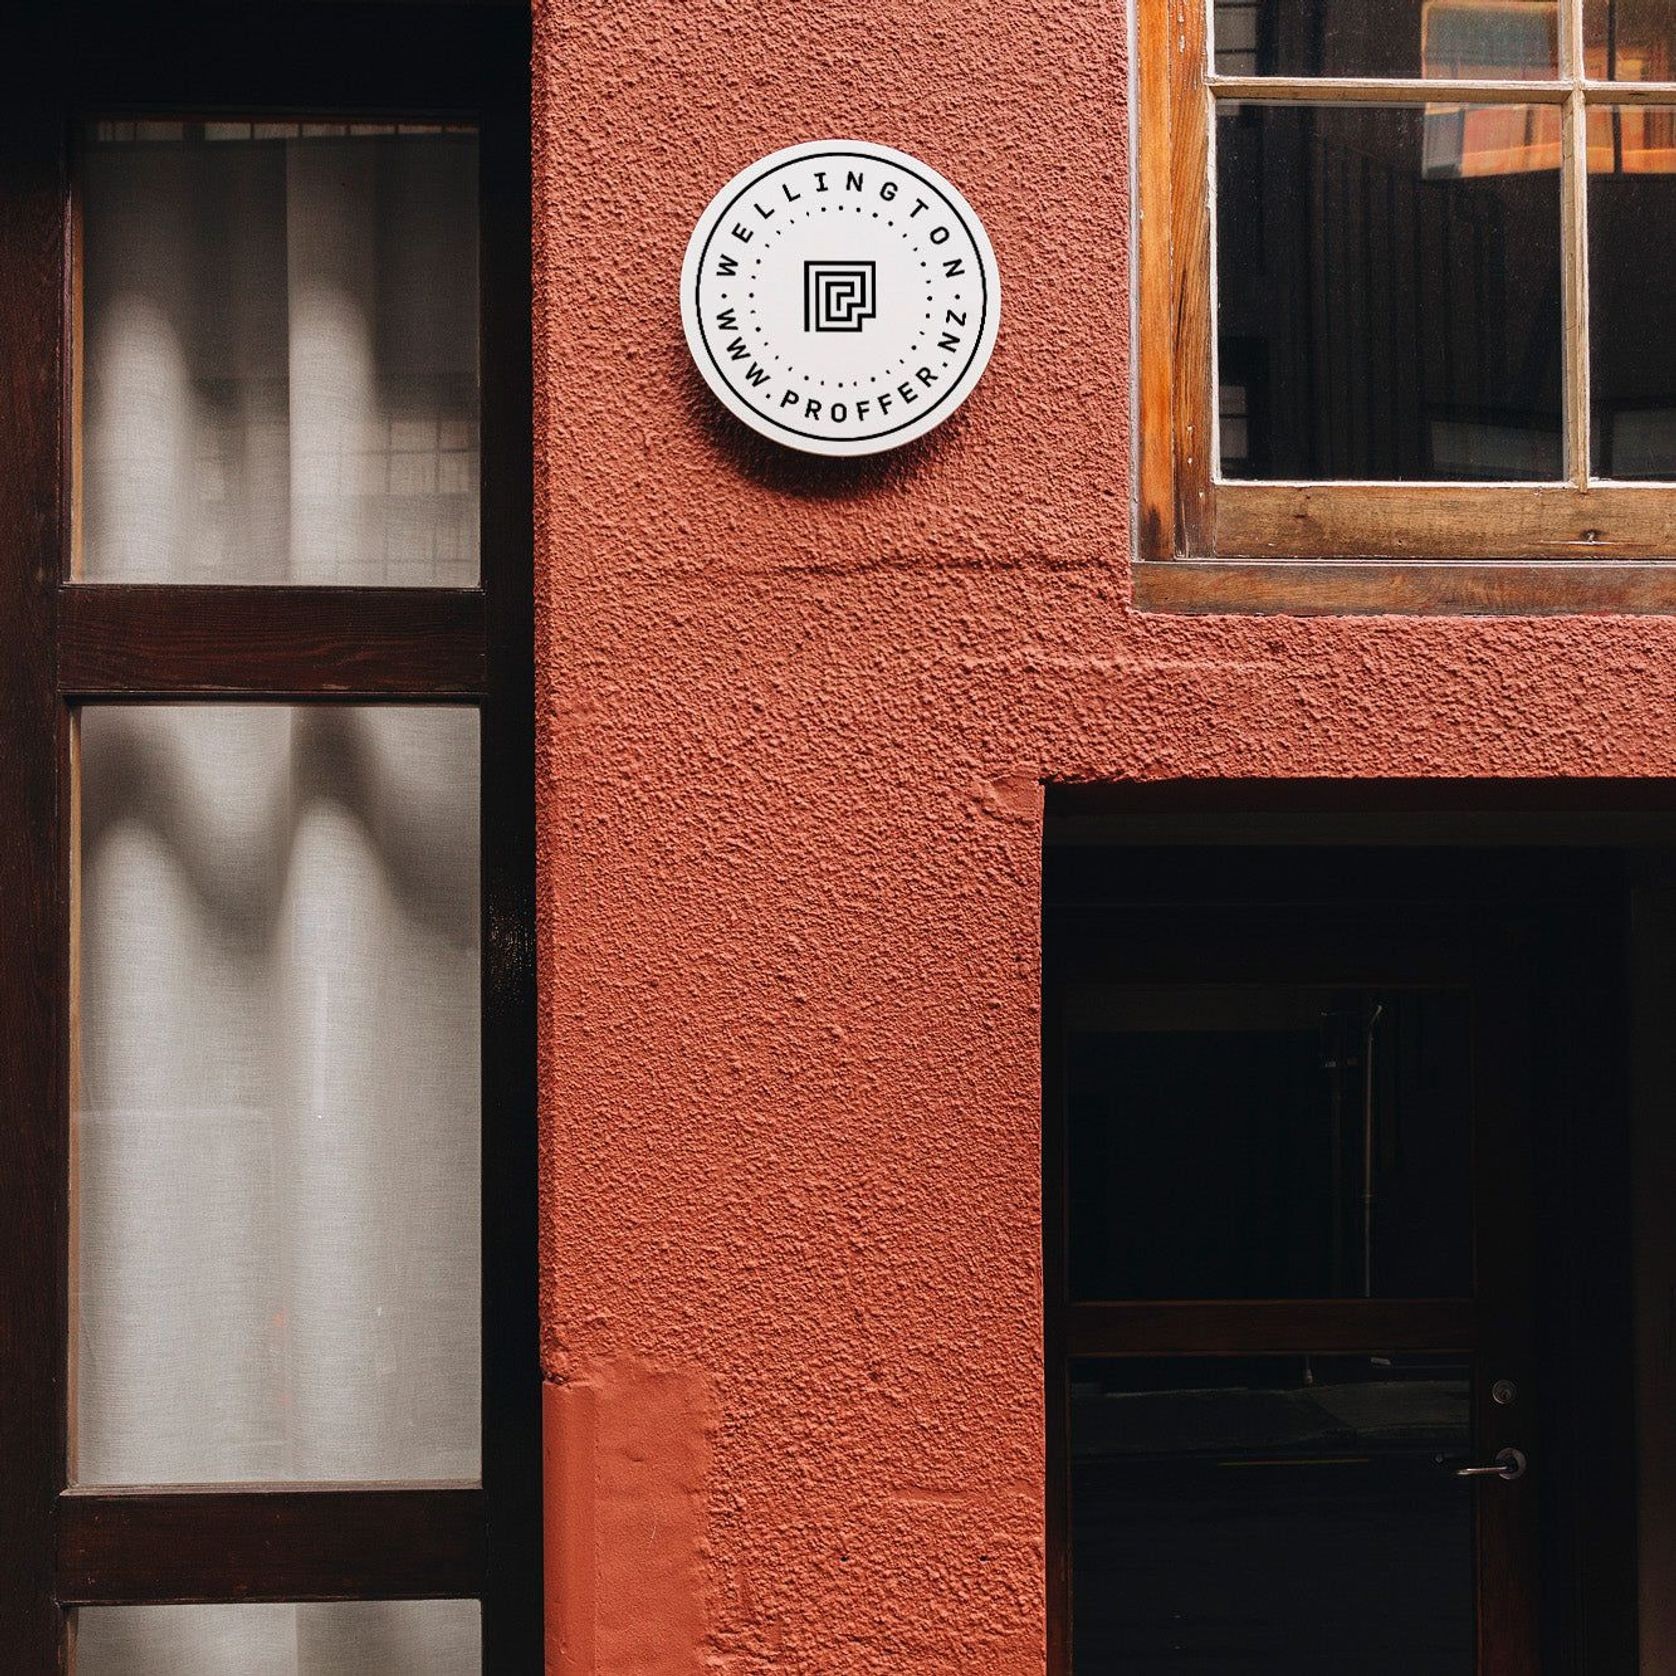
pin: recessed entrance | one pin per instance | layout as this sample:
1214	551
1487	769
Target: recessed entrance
1339	1258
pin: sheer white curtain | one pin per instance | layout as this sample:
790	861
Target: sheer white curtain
281	356
277	1109
277	1113
362	1638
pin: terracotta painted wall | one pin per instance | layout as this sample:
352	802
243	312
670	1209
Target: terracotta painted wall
794	721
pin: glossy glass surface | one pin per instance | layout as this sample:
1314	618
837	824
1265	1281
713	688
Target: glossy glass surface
1500	40
1630	40
1632	304
1219	1139
349	1638
279	353
1271	1516
276	1122
1388	291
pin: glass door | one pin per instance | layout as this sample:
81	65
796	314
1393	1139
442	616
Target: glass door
1290	1307
269	1346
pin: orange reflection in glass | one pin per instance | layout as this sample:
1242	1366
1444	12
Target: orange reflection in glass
1632	140
1492	40
1629	40
1464	142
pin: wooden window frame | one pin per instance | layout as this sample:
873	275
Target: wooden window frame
1208	544
68	641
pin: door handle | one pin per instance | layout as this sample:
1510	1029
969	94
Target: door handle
1508	1465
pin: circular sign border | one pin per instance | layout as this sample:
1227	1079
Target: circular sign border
764	424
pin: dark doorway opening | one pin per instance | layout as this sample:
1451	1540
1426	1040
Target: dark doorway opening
1341	1146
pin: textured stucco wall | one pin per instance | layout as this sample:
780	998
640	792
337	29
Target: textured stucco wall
794	718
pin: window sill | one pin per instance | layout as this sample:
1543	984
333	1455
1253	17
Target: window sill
1426	587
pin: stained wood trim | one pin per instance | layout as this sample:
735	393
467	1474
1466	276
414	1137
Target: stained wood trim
270	1542
1369	90
1507	1004
1192	338
34	748
1270	1326
1353	587
512	1585
1282	521
1186	513
288	60
1629	92
158	642
1155	370
1574	250
1569	42
1574	289
153	640
1056	1383
1421	90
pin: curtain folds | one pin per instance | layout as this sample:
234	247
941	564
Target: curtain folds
276	1112
277	1118
281	358
360	1638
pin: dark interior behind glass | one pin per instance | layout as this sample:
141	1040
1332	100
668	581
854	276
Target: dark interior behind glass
1451	38
1272	1516
1389	290
1219	1143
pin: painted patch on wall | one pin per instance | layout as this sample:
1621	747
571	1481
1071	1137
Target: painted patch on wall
840	297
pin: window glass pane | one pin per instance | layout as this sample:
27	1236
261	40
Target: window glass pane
1630	40
1224	1142
1501	40
343	1638
276	1128
1389	290
1632	305
1272	1515
280	353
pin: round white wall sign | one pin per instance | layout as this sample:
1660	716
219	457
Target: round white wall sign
840	297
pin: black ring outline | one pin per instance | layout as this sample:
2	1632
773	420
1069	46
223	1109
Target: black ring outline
816	157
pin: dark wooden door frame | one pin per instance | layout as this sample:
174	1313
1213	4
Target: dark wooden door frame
1498	945
62	642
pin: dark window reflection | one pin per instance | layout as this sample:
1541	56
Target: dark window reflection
1284	1516
1632	304
1223	1142
1389	290
1487	39
1630	40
